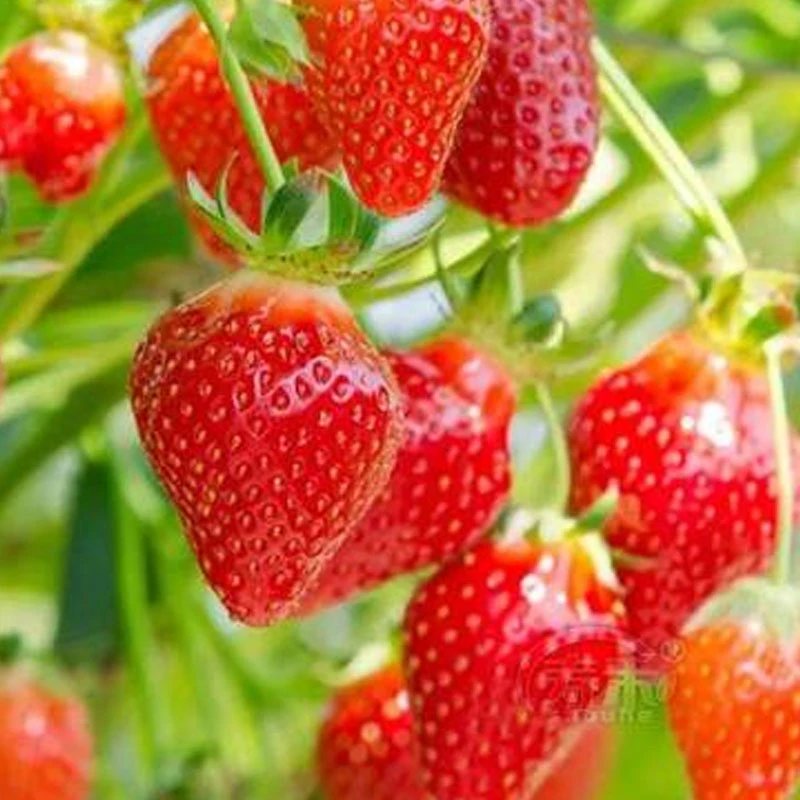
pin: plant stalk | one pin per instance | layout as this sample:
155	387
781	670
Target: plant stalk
243	96
667	155
782	441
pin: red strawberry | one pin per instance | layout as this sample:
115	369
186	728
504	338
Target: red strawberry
198	126
393	80
274	424
685	433
365	748
62	107
584	769
530	133
507	648
452	472
45	743
734	705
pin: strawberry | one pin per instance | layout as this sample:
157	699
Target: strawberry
365	747
62	107
508	647
685	434
452	472
734	703
199	130
45	743
584	768
273	424
392	81
530	132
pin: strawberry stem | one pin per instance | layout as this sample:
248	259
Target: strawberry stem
652	135
243	96
558	444
781	433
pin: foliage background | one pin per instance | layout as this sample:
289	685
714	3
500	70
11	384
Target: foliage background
79	517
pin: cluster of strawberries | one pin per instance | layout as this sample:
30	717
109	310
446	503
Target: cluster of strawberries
308	466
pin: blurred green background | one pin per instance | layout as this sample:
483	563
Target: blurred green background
77	509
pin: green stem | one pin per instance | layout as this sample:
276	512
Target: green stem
667	155
782	437
139	644
558	443
243	97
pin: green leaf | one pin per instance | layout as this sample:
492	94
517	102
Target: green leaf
88	627
11	647
85	405
267	38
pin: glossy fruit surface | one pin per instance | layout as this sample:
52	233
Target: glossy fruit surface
365	747
62	107
508	649
273	424
685	433
734	705
452	474
530	132
198	128
392	81
45	743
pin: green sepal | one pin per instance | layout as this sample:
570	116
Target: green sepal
496	290
219	214
268	38
348	220
540	319
285	212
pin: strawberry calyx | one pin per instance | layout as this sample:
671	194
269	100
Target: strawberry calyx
529	337
313	229
758	604
743	311
582	535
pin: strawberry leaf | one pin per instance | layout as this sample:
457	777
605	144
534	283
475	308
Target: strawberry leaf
268	39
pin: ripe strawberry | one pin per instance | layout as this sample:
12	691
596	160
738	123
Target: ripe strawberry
62	107
685	433
273	424
45	743
530	132
584	768
365	747
452	472
198	127
392	83
734	704
507	648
